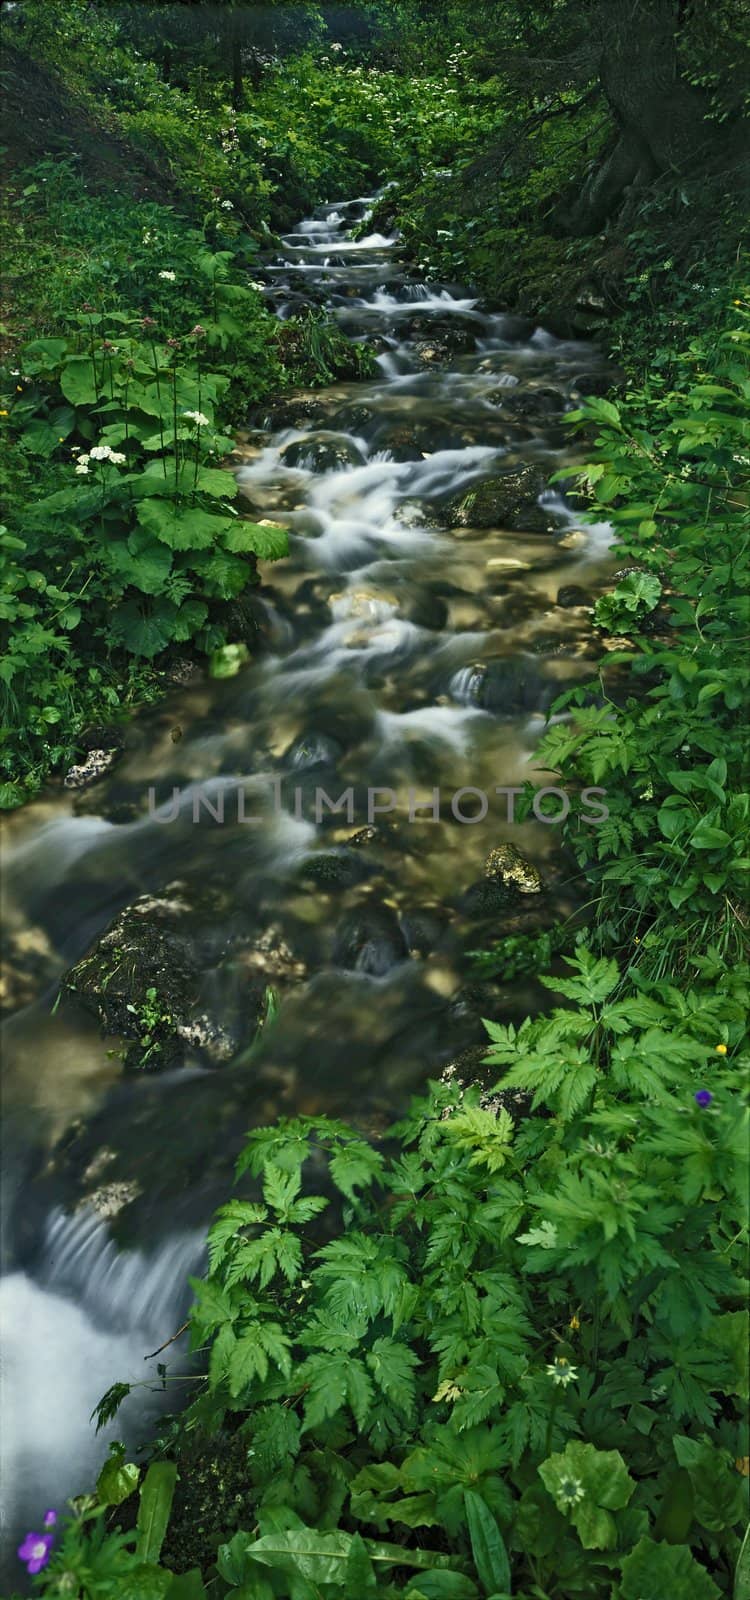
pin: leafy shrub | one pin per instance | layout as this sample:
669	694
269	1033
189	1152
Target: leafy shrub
522	1351
670	470
144	535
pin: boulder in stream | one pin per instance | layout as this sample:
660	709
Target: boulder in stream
148	978
508	500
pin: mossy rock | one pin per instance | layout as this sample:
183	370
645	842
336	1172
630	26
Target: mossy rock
508	500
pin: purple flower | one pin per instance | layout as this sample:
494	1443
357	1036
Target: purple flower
35	1550
50	1518
703	1097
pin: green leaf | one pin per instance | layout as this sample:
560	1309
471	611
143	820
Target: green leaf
144	1582
719	1492
586	1484
187	1585
654	1571
117	1479
143	633
487	1544
181	527
266	540
157	1491
228	660
141	561
706	837
77	381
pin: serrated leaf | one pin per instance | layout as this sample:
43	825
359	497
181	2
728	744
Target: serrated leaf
267	541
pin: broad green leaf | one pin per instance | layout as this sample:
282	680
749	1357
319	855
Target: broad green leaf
586	1484
267	541
78	383
117	1479
487	1544
657	1571
157	1492
187	1585
179	526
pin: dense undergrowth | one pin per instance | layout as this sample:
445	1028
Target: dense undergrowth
510	1359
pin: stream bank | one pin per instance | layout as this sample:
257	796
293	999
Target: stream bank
437	597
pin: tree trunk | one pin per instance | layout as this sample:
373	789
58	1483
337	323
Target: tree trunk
660	118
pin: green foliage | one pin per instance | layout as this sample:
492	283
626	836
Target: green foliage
520	954
670	471
507	1370
143	534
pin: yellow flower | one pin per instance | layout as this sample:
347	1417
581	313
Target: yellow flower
721	1049
574	1324
737	302
19	388
3	413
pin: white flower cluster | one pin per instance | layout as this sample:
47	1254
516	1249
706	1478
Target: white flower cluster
226	205
198	418
100	452
169	276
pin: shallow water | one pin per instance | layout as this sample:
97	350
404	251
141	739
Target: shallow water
377	637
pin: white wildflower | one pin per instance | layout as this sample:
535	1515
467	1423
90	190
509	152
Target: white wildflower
570	1491
226	205
198	418
117	458
561	1371
168	275
101	452
82	469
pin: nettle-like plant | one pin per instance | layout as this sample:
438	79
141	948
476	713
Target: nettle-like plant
146	535
670	470
517	1364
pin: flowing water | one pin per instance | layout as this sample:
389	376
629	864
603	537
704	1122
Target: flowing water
398	663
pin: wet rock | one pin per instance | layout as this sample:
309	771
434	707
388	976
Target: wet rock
508	500
449	334
571	594
525	402
96	764
329	454
312	750
489	897
173	974
471	1069
512	685
141	977
506	864
296	412
335	869
370	940
417	514
598	383
423	928
183	672
244	620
